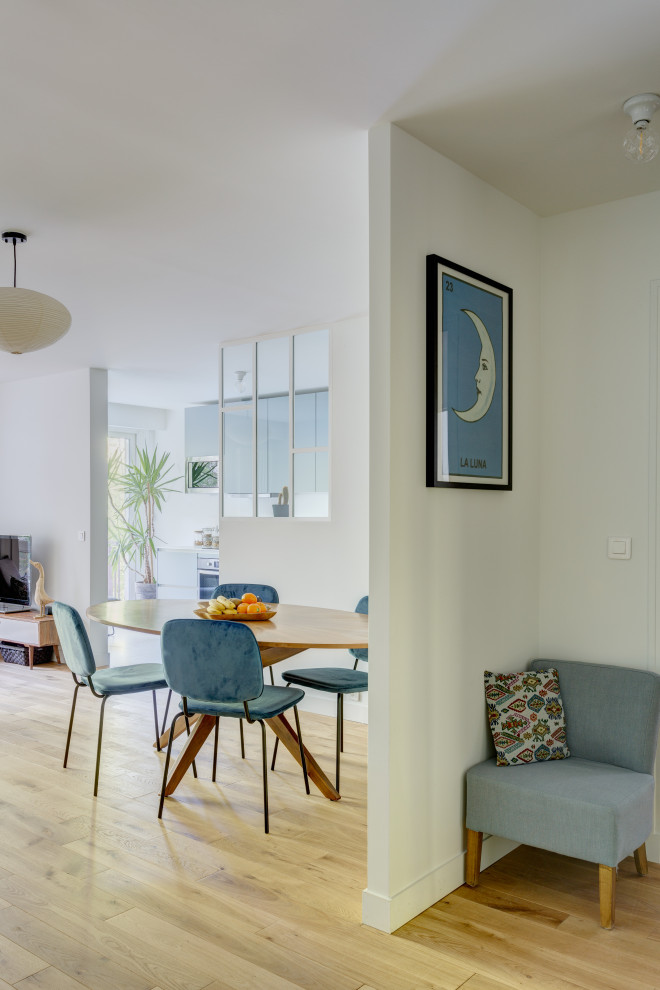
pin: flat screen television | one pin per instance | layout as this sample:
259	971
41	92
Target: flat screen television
15	579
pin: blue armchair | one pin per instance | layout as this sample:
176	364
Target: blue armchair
597	805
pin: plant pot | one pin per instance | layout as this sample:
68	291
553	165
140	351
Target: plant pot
280	510
143	590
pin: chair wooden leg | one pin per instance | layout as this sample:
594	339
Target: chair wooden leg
641	863
473	858
607	889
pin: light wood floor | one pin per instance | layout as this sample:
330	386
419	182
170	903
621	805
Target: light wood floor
99	894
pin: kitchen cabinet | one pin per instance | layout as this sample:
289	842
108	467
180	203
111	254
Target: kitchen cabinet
180	570
202	433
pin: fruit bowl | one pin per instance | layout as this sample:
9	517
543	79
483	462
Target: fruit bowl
236	617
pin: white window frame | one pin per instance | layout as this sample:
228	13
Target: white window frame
253	341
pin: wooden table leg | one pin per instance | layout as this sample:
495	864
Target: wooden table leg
196	739
289	738
56	651
31	656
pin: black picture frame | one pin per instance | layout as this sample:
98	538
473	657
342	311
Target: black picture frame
469	335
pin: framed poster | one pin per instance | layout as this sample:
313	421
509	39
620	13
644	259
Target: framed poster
468	389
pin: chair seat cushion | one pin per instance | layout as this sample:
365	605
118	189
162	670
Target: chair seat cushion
336	680
129	680
273	701
575	807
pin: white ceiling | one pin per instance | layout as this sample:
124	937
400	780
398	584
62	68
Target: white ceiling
191	171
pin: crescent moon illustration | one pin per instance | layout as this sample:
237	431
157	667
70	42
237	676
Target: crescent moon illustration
485	377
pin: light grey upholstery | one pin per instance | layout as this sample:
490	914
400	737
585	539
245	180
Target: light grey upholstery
597	805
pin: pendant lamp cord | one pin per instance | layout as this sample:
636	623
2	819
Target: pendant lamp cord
14	240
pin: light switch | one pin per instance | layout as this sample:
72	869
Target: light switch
619	547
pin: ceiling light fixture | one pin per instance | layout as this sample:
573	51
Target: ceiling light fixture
240	380
642	142
29	320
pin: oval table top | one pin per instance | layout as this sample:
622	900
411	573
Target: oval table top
296	627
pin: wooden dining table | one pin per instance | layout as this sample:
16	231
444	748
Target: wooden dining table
292	630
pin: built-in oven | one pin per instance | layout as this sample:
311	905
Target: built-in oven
208	570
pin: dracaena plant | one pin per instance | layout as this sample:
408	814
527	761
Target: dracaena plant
136	493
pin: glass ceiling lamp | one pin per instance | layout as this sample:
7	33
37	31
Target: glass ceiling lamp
29	320
642	142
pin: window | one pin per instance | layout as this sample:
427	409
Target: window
275	426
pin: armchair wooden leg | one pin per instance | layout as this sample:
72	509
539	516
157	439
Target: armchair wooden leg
641	863
607	889
473	859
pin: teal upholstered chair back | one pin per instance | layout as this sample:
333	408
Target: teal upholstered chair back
612	713
212	660
363	608
73	640
264	591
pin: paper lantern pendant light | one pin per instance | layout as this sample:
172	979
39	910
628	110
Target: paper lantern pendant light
29	320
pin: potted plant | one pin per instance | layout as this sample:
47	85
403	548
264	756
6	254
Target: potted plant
282	507
136	493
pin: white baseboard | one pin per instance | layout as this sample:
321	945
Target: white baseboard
389	913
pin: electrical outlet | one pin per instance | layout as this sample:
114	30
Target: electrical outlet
82	535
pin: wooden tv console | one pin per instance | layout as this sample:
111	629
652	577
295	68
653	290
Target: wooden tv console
29	629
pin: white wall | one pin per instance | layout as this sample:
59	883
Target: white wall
453	574
320	562
53	451
601	268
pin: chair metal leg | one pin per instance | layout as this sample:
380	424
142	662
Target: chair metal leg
240	723
473	857
153	694
340	721
167	708
68	737
272	679
302	750
167	764
272	766
185	715
98	748
264	762
341	725
607	893
215	747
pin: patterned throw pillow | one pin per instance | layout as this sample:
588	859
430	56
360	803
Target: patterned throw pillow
526	716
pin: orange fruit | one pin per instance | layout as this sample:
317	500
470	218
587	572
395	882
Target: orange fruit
243	607
253	608
249	598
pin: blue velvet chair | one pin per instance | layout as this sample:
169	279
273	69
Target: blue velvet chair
102	683
334	680
216	668
596	805
267	594
264	591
